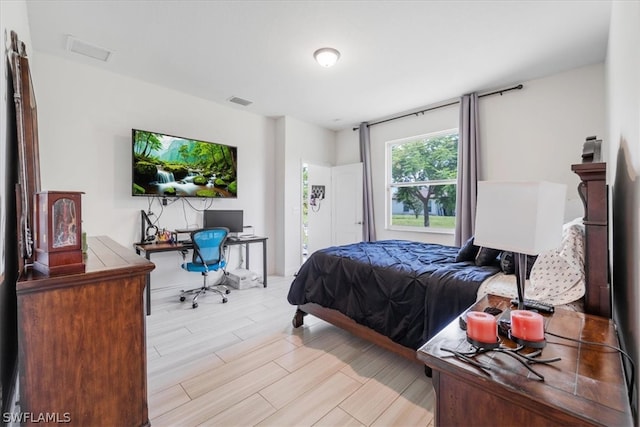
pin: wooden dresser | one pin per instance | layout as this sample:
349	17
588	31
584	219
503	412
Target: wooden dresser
81	337
585	388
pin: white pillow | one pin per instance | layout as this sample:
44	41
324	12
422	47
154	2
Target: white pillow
558	277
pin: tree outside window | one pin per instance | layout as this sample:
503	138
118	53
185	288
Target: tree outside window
422	174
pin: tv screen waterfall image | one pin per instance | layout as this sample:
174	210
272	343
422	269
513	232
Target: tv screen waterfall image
165	165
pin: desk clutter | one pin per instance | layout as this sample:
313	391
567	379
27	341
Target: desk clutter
150	232
181	235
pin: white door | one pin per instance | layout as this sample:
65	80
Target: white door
346	186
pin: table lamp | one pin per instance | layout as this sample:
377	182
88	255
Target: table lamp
522	217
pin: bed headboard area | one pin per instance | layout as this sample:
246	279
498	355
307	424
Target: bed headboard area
593	192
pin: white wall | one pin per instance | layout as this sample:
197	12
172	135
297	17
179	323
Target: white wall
532	134
538	132
623	175
280	176
298	142
85	119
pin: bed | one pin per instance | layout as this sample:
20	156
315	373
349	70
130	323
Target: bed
398	294
404	290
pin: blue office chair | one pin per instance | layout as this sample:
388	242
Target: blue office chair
208	255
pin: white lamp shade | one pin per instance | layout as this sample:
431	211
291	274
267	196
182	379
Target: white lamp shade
522	217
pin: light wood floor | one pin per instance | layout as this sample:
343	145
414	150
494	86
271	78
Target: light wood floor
243	364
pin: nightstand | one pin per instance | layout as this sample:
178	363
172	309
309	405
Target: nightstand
586	387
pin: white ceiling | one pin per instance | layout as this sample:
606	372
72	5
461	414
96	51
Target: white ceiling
397	56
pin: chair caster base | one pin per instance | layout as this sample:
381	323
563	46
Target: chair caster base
224	300
195	305
228	291
182	299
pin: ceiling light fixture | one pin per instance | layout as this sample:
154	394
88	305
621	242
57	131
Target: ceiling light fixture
327	56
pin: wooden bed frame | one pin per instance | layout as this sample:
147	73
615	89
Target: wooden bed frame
597	299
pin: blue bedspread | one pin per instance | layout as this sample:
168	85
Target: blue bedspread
404	290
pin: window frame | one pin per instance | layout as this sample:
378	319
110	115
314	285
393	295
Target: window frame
389	184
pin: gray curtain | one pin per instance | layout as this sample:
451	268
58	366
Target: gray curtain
468	168
368	225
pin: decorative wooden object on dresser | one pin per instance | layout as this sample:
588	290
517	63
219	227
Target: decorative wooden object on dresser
586	387
82	349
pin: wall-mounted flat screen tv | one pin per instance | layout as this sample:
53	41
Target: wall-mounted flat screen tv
172	166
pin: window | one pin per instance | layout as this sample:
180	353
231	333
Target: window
421	182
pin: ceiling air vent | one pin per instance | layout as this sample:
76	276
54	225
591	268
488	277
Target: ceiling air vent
240	101
86	49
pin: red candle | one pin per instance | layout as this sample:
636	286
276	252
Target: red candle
482	327
527	325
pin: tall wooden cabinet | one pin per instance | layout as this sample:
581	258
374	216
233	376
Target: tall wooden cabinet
594	194
81	337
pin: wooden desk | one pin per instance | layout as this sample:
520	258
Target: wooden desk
81	341
152	248
586	387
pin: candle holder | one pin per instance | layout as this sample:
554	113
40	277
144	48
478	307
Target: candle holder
482	330
527	329
525	343
483	345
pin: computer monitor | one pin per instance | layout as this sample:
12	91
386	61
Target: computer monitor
232	219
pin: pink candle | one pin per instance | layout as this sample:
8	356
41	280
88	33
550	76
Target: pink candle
482	327
527	325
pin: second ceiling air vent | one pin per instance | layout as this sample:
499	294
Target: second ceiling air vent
83	48
240	101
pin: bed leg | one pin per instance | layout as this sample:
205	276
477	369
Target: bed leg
298	318
428	371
